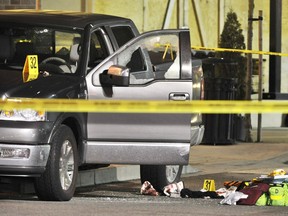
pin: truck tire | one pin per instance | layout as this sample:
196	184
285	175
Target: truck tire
160	175
58	182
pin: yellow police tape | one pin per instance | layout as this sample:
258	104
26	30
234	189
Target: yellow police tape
238	50
131	106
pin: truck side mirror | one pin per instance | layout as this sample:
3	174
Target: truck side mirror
116	75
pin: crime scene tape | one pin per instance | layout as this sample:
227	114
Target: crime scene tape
239	50
131	106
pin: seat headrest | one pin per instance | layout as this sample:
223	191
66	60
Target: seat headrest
74	56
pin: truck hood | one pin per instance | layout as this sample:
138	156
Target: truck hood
54	86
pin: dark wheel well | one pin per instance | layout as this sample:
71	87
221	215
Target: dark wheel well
284	120
73	124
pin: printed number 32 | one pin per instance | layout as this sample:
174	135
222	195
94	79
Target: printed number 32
33	62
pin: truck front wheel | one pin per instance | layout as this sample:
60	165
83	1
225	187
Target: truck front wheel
160	175
58	182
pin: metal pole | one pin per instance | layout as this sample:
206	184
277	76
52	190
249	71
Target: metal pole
220	19
168	14
248	77
83	5
178	14
198	16
275	46
260	72
186	14
145	9
249	47
38	5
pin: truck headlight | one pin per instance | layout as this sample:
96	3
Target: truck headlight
23	115
14	153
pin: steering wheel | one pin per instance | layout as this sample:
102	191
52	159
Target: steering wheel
52	66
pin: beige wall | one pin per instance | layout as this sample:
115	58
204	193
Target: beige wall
69	5
125	8
149	15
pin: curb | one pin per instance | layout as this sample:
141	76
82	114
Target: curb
116	173
113	173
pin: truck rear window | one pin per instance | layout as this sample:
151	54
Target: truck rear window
122	34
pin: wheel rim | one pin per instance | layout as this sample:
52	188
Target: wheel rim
172	172
66	165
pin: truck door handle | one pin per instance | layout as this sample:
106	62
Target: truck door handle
179	96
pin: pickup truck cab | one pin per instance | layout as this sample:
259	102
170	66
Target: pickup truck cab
91	57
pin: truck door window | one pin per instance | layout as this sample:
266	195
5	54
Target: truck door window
154	54
164	56
136	59
98	49
160	51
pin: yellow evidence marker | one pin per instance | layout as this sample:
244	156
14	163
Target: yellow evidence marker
30	69
209	185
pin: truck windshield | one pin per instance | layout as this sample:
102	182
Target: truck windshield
57	50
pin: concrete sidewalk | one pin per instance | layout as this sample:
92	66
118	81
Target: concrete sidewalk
241	157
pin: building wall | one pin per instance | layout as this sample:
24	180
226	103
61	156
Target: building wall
68	5
17	4
150	14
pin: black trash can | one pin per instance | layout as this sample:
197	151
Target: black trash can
219	128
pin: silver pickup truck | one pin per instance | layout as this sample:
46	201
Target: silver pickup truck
91	57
